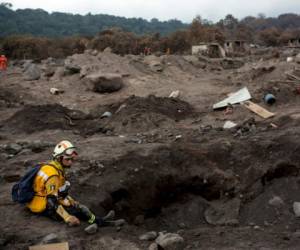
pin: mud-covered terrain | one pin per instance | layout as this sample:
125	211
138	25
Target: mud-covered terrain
165	164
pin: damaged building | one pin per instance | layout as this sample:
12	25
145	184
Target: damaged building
213	50
235	47
294	42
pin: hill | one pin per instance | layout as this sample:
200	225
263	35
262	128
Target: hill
38	22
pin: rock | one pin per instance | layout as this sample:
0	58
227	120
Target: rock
91	229
174	94
229	125
32	73
296	208
276	201
105	83
106	114
148	236
170	241
71	69
50	238
13	148
153	246
119	223
107	50
55	91
94	52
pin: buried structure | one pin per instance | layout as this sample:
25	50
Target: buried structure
166	165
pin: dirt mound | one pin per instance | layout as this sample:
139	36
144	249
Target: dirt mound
137	114
37	118
7	98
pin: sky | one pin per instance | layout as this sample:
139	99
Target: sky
183	10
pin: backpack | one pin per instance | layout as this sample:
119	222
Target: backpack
22	191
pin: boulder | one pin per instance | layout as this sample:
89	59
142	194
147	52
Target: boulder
32	73
105	83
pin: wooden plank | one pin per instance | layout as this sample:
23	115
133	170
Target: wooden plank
55	246
258	109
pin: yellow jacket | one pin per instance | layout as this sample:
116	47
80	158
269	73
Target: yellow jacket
48	180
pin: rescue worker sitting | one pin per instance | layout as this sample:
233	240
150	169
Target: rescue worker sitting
51	192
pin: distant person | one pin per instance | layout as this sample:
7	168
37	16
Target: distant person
51	197
168	51
3	62
147	51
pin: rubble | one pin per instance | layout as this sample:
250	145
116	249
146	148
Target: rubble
154	148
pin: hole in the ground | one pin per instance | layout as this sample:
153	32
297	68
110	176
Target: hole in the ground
282	169
119	195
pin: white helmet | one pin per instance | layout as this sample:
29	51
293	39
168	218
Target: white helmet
64	148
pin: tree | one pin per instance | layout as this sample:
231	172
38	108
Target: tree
230	22
6	5
270	37
196	30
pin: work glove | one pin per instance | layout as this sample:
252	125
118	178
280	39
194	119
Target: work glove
73	221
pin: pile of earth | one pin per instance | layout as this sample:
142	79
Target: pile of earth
140	114
32	119
7	98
